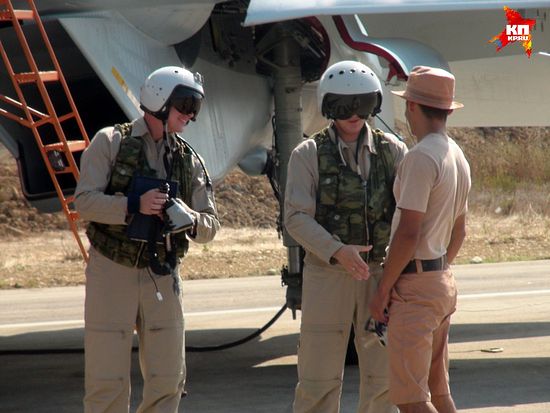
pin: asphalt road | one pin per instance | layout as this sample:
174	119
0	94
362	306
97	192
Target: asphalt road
500	345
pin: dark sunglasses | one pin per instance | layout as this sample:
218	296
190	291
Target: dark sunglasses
188	103
345	106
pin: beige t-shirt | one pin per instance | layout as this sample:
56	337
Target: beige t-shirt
434	178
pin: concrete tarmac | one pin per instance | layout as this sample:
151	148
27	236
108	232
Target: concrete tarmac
499	346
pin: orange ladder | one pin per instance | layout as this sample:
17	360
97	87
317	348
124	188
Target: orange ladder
58	156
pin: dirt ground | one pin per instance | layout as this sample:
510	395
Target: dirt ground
38	250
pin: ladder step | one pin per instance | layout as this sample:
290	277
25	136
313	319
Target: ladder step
29	77
74	216
66	170
74	146
67	116
49	119
19	15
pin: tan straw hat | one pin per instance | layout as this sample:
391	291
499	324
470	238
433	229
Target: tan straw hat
432	87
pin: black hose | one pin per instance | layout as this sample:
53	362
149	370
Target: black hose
390	129
191	349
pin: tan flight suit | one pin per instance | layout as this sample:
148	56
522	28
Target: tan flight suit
332	300
120	298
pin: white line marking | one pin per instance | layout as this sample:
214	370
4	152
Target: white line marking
80	323
64	323
503	294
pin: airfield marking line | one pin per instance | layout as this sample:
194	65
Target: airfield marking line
261	310
190	314
63	323
503	294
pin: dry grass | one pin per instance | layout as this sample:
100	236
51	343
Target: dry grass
52	258
506	158
44	260
510	169
496	238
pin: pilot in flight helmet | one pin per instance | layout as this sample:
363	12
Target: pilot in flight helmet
347	88
172	86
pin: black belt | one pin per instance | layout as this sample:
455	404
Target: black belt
427	265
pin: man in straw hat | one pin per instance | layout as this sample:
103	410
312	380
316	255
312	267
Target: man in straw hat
417	288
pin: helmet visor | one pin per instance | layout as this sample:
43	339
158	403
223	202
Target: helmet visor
186	101
345	106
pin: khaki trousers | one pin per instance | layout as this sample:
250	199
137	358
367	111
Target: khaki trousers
420	317
119	299
331	303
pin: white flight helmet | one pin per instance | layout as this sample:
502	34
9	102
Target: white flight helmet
347	88
171	85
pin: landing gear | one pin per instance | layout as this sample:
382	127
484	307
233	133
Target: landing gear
280	51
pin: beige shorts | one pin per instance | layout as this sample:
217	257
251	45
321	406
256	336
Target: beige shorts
419	319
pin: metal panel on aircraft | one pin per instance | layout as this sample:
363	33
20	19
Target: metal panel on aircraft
267	11
237	110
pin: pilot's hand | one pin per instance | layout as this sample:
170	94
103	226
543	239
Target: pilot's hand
152	202
349	257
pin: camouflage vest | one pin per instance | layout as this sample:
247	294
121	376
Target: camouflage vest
111	240
357	212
